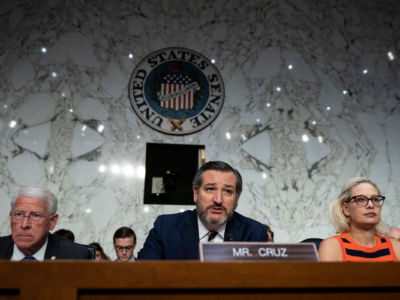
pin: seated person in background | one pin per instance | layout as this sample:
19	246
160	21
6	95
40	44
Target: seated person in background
356	214
100	254
315	241
65	233
33	214
216	190
393	233
124	242
270	234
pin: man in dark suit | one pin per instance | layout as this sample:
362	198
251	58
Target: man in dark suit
216	190
33	214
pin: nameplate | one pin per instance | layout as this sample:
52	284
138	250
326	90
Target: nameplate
257	251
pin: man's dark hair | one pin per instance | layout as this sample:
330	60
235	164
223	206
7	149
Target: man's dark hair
217	166
124	232
65	233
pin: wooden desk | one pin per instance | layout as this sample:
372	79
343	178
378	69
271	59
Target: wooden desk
193	279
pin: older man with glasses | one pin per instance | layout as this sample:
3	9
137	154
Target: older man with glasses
33	214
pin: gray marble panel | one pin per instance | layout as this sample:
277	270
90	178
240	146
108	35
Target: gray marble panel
312	99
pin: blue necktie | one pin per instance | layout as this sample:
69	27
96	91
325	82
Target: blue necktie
28	258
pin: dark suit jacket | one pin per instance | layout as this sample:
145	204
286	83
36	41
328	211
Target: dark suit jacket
176	236
57	248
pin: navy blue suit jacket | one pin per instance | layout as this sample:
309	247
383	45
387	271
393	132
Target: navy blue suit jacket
176	236
57	248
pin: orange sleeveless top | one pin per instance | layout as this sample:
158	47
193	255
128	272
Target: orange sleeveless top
351	251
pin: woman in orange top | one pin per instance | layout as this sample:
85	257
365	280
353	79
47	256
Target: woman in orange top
356	215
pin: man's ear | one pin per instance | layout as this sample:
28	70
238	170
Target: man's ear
237	201
195	195
53	221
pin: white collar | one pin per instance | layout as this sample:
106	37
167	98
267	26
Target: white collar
39	255
203	232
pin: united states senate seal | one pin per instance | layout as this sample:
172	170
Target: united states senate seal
176	91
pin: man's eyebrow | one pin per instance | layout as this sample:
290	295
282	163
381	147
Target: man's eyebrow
229	186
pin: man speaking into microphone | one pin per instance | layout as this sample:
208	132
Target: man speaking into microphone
216	191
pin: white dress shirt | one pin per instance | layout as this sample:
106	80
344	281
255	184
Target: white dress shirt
203	233
39	255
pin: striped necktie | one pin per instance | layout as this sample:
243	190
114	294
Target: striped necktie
212	235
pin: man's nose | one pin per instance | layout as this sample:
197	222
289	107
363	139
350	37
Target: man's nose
26	222
218	197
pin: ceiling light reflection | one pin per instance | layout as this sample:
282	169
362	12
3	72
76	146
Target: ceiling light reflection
141	172
13	123
390	55
100	128
102	169
115	169
305	138
127	170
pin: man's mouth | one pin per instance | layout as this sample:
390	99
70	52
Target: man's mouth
217	209
371	214
24	236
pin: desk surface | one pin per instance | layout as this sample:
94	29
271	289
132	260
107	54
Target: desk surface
91	280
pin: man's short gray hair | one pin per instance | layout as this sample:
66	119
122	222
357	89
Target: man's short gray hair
40	193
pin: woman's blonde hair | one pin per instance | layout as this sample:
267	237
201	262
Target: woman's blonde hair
339	220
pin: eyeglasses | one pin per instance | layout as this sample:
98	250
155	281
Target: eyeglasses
362	200
127	248
34	216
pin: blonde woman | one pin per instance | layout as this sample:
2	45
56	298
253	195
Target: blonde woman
356	215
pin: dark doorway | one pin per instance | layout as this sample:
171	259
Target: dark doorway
170	169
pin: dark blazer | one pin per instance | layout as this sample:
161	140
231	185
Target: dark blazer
176	236
57	248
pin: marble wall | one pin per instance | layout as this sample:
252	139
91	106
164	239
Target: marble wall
312	99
